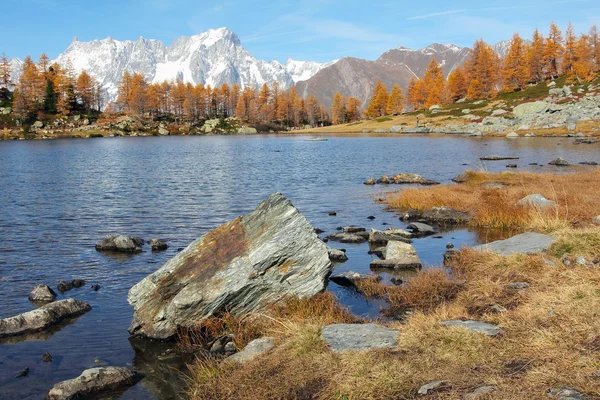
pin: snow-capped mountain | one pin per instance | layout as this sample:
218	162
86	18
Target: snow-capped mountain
212	58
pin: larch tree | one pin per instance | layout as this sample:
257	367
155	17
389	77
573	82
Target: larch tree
434	83
553	51
483	70
5	72
262	102
31	86
583	60
85	90
124	91
379	99
43	64
515	71
353	109
336	109
457	83
568	55
395	103
138	95
535	58
594	41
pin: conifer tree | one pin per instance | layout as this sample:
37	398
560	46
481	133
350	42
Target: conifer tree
434	84
568	55
483	69
395	103
336	109
5	71
85	90
535	58
50	98
457	84
583	61
594	41
379	99
353	109
553	51
515	71
124	91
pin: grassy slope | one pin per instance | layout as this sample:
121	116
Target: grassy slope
450	112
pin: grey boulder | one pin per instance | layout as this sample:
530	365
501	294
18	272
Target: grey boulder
446	215
121	244
475	326
398	255
336	255
42	318
344	237
559	162
565	393
536	200
357	337
420	229
241	267
252	350
93	382
432	387
42	293
480	392
527	243
382	237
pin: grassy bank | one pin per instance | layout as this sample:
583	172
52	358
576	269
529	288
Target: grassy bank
491	198
550	327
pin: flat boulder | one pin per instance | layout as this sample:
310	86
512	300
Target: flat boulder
344	237
565	393
401	179
446	216
536	200
398	255
120	244
527	243
252	350
559	162
359	337
382	237
93	382
353	229
498	158
243	266
420	229
475	326
42	318
351	278
42	293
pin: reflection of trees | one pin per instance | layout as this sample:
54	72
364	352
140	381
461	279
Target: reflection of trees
164	376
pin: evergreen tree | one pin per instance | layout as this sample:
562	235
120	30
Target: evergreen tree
568	55
5	71
50	98
434	84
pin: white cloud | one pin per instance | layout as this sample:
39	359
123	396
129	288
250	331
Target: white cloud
436	14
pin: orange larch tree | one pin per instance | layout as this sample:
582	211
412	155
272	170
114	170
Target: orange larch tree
379	99
434	83
483	70
395	103
553	51
457	83
535	58
568	55
515	71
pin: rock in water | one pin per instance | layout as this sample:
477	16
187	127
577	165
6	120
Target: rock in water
122	244
42	318
42	293
158	244
242	266
92	382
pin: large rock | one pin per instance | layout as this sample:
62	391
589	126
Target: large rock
420	229
93	382
42	293
42	318
475	326
382	237
536	200
525	109
243	266
402	179
559	162
344	237
528	243
566	393
252	350
446	215
357	337
121	244
247	130
337	255
398	255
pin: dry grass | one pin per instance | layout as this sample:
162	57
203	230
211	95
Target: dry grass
575	194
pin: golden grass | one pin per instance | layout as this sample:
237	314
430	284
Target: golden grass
575	194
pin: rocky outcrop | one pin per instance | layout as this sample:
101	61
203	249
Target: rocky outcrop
243	266
42	293
93	382
559	162
359	337
419	229
121	244
527	243
252	350
42	318
398	255
158	244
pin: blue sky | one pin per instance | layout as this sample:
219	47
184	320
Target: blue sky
318	30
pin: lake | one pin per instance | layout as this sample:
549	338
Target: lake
58	198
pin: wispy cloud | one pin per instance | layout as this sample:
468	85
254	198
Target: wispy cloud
436	14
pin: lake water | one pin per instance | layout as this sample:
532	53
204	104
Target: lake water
58	198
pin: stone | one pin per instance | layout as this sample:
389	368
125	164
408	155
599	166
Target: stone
247	130
121	244
23	373
596	220
219	346
370	182
42	293
77	283
95	287
47	357
370	218
559	162
243	266
382	237
350	278
359	337
398	255
252	350
512	135
450	246
5	110
93	382
432	387
480	392
414	179
498	158
446	215
64	286
332	213
527	243
462	178
499	112
526	109
38	125
566	393
336	255
474	326
163	131
536	200
497	308
435	107
396	128
551	84
512	166
343	237
42	318
517	286
353	229
158	244
420	229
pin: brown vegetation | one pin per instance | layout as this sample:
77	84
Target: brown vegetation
575	195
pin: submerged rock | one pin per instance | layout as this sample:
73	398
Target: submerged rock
47	357
158	244
498	158
42	318
243	266
42	293
93	382
121	244
475	326
401	179
527	243
353	229
77	283
64	286
359	337
350	278
23	373
252	350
